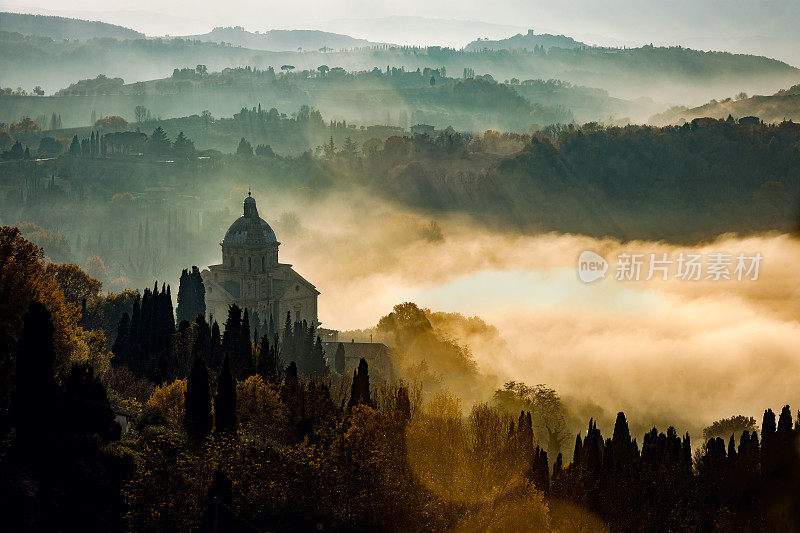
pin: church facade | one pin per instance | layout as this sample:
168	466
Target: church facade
251	276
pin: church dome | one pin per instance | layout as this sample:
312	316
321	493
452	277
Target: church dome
250	228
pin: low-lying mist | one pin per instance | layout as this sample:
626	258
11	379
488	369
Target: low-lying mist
680	353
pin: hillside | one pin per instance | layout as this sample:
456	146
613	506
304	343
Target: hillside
672	74
63	28
280	40
783	105
529	41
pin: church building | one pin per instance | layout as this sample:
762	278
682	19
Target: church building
251	276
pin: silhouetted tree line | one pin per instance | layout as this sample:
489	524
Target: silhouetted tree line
662	487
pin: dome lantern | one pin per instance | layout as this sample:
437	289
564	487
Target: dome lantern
250	228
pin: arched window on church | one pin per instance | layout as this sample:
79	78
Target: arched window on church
263	269
249	264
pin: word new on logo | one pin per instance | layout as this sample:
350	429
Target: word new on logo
591	266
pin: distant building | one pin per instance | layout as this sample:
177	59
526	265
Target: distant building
423	129
251	276
377	355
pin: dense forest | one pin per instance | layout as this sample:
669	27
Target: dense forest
262	432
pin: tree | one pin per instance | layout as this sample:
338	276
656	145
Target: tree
76	285
6	140
159	143
244	148
169	400
323	69
183	146
734	425
329	149
26	126
24	279
34	382
112	123
359	390
38	91
75	146
265	150
197	414
49	147
142	114
225	400
338	359
207	118
191	295
267	364
218	516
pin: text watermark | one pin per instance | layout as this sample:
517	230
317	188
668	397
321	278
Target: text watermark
683	266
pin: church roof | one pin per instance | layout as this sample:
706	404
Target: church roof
250	228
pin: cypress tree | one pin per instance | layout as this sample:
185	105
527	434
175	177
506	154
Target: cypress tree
403	404
191	295
225	401
35	386
215	350
186	306
199	290
232	335
202	338
359	390
287	350
75	146
122	342
267	366
338	359
319	365
218	516
243	367
197	413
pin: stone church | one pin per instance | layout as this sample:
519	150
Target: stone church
251	276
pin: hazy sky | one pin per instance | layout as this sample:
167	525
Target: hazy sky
731	24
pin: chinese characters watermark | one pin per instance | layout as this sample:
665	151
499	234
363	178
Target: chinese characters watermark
684	266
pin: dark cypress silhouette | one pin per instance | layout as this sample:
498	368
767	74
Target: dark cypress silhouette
197	412
338	360
359	391
403	405
225	401
219	517
121	347
215	350
267	365
35	386
244	367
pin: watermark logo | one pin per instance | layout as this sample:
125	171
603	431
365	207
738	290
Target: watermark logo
591	266
684	266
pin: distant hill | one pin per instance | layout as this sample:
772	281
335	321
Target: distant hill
419	31
63	28
783	105
280	40
670	75
529	41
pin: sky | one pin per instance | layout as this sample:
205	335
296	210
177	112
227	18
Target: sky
756	26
